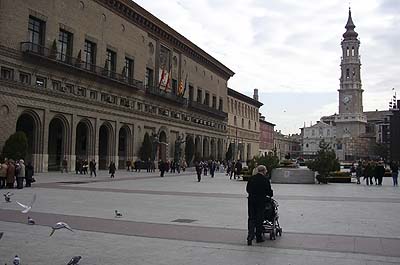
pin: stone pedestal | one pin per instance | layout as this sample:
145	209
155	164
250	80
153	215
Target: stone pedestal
293	176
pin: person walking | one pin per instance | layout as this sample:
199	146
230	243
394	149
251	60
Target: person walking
368	173
199	169
3	174
395	172
29	172
111	169
258	187
359	171
21	174
379	172
162	166
238	169
212	168
92	168
10	174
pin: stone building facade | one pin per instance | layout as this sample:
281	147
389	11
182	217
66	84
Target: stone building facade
87	79
312	136
287	145
243	125
266	136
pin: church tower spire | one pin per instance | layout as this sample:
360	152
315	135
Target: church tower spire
351	121
350	92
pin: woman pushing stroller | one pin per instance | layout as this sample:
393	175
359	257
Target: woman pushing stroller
258	187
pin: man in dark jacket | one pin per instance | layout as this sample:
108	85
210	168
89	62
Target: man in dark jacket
258	187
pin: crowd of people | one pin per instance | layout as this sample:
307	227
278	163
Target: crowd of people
373	172
13	173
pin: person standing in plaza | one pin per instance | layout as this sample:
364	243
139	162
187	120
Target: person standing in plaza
21	174
10	174
379	173
92	168
368	173
3	174
199	169
28	174
359	171
64	165
238	169
258	187
111	169
162	167
212	168
394	167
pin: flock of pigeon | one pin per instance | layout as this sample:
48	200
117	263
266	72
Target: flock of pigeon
60	225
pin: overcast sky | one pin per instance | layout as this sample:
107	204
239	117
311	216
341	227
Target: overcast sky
290	49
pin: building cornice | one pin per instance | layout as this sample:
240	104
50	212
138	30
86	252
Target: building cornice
238	95
140	17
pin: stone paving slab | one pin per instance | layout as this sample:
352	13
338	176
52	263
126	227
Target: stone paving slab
336	243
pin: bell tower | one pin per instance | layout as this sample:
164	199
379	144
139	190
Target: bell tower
351	121
350	92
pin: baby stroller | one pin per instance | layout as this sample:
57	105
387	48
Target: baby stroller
271	219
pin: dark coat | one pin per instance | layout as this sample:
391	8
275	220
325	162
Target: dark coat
11	173
112	168
258	187
379	171
29	171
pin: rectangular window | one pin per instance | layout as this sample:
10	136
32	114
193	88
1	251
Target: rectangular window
199	96
56	85
149	78
111	63
221	104
70	88
41	81
25	78
128	69
64	46
207	99
89	55
36	29
174	86
214	102
93	95
7	73
190	93
80	91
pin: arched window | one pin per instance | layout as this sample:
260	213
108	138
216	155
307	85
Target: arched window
234	121
352	51
347	73
255	126
353	73
249	125
242	123
347	51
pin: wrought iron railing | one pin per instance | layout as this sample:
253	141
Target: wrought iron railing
166	95
42	51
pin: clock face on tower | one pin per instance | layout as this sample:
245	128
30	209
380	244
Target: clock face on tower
346	99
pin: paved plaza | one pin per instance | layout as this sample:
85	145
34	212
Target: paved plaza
176	220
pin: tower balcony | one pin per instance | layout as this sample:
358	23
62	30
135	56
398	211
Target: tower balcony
47	55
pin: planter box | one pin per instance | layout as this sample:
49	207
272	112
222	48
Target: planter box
293	176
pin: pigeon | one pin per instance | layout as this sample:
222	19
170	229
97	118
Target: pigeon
17	260
27	207
118	214
60	225
7	196
31	221
75	260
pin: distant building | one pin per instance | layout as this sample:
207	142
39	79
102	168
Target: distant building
266	136
287	145
312	136
243	125
395	134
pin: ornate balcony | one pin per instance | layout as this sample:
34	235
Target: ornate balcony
208	110
160	93
76	63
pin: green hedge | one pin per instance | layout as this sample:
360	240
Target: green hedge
339	177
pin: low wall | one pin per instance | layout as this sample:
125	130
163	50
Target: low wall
293	176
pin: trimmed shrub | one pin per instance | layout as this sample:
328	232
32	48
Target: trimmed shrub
16	146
